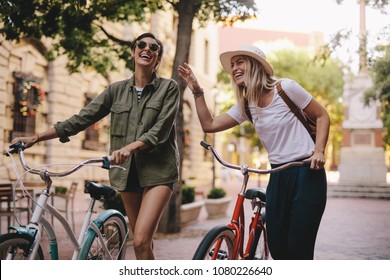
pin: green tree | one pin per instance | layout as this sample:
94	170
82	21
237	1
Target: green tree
77	28
380	71
226	11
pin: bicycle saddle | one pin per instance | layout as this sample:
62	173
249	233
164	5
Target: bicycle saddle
253	193
99	191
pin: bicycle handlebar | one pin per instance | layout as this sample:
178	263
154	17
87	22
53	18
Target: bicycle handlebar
19	147
244	168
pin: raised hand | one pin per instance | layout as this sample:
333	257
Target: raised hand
185	72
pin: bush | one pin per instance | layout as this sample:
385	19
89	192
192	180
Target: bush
216	193
187	194
60	190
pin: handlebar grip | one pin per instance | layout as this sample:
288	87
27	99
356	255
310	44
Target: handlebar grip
205	145
15	148
106	162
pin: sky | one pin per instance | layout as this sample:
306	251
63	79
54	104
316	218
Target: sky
316	15
325	16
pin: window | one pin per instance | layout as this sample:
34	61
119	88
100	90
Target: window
28	100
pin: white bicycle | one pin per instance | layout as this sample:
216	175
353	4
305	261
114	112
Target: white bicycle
103	238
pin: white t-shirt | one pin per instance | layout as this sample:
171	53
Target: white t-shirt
279	130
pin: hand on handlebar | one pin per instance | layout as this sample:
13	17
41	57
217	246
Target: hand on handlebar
120	156
15	148
317	161
28	141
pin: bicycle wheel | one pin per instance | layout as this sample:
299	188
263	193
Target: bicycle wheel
259	250
219	234
114	233
16	246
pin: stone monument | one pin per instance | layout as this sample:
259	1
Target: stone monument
362	158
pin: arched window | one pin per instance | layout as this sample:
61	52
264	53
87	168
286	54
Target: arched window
28	101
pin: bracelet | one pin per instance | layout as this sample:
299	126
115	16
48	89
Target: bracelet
198	93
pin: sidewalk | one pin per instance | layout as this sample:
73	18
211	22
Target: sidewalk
182	245
351	229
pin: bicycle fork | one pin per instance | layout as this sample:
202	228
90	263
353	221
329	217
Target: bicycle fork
253	227
257	224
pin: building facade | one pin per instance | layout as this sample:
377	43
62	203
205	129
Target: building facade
36	93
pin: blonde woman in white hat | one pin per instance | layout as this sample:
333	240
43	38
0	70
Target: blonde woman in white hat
296	197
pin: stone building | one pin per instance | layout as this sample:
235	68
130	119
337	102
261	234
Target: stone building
36	93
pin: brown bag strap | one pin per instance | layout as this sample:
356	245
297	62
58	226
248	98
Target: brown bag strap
247	111
294	108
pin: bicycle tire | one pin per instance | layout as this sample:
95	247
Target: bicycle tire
114	232
205	249
257	250
19	244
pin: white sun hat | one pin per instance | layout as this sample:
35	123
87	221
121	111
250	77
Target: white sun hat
248	50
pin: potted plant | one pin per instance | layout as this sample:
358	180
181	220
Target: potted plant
60	190
189	209
217	203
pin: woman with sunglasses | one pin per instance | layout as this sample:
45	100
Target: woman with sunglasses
142	139
296	197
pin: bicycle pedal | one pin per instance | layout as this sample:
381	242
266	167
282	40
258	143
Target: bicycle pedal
222	255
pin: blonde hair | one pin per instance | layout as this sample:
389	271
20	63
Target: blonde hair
257	82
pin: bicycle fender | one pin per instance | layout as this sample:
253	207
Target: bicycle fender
24	231
99	221
106	214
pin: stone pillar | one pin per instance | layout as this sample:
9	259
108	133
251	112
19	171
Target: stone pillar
362	158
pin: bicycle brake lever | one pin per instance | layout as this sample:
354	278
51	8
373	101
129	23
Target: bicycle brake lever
15	148
117	166
107	164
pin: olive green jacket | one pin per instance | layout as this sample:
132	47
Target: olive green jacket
151	120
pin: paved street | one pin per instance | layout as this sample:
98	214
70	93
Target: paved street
352	229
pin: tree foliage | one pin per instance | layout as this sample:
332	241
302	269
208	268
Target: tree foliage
77	30
380	71
76	27
377	4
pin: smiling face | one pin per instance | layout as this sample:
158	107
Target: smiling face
238	64
146	53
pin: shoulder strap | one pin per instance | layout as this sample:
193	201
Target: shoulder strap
247	111
294	108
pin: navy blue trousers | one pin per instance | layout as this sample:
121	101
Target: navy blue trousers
296	199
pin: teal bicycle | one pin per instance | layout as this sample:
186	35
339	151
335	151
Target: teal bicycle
103	238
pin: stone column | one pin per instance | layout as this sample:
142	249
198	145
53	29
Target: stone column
362	158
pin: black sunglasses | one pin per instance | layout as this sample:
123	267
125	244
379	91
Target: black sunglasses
152	46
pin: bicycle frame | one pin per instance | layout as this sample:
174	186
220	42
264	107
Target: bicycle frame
237	223
38	221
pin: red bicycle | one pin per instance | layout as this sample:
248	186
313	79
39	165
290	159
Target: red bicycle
226	242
